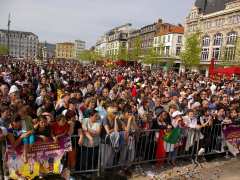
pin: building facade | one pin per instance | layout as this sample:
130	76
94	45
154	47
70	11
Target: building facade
101	46
65	50
147	34
110	43
168	40
21	44
79	47
46	50
218	21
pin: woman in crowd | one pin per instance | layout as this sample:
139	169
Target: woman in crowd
76	131
90	149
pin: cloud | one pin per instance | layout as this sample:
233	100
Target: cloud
61	20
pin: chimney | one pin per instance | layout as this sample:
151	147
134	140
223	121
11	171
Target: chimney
160	21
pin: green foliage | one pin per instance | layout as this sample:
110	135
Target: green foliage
122	53
3	50
89	55
190	57
150	57
136	52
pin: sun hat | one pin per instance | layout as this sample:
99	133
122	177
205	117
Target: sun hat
176	113
13	89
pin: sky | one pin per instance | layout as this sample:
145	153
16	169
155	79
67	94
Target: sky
67	20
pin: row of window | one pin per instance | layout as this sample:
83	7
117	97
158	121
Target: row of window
64	55
166	39
166	51
221	21
18	37
218	39
229	53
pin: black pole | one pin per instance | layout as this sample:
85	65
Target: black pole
8	35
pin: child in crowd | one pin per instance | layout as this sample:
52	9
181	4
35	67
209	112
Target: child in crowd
60	128
15	132
42	130
27	130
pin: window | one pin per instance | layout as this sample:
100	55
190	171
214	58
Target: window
216	53
179	40
155	40
206	41
163	39
167	50
209	24
178	51
231	38
218	39
205	54
230	53
169	37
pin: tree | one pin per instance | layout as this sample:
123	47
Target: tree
3	50
89	55
150	57
136	52
190	57
122	53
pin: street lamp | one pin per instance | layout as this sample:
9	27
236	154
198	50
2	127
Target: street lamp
8	34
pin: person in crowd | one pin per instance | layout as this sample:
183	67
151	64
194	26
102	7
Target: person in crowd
42	130
109	126
39	99
162	123
76	131
60	128
27	129
90	150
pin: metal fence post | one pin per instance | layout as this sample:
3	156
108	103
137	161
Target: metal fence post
99	160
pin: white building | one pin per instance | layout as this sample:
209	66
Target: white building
169	45
101	46
109	43
79	46
21	44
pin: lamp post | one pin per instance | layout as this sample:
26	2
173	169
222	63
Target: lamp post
8	34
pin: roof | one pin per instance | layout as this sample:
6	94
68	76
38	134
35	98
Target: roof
19	32
65	43
176	29
211	6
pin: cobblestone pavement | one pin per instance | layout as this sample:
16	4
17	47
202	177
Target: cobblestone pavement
219	169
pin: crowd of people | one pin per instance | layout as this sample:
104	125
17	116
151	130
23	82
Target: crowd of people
106	108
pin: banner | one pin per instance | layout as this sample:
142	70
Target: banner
232	137
44	158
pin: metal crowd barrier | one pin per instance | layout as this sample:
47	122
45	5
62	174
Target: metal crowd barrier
126	149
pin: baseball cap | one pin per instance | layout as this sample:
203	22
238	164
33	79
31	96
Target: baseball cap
176	113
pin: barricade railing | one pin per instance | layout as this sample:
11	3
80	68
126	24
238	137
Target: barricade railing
125	149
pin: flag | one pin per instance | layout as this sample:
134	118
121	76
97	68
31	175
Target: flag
173	136
134	91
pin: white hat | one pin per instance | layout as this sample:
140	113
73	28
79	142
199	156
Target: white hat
4	130
176	113
42	71
195	105
13	89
